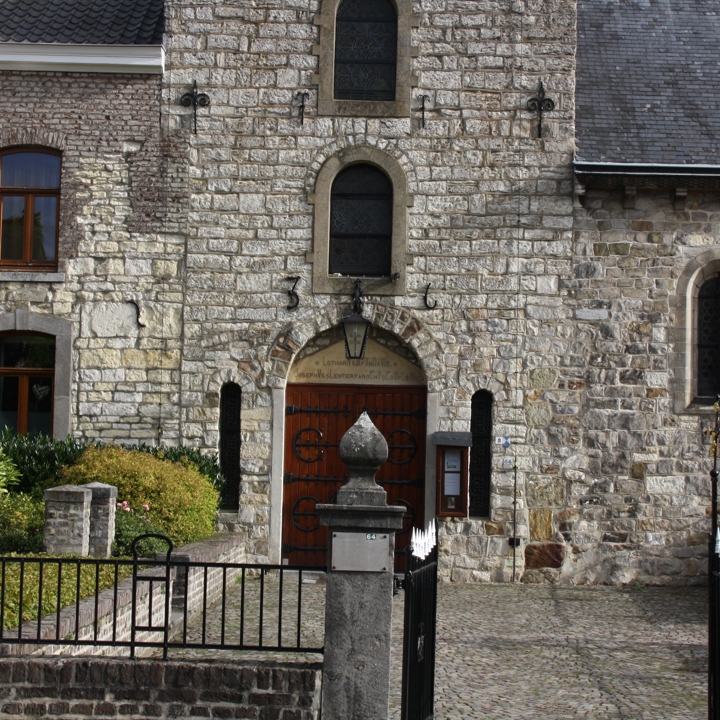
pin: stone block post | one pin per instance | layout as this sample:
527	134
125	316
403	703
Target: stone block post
67	520
359	594
102	517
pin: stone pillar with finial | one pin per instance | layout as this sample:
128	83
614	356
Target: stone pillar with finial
358	613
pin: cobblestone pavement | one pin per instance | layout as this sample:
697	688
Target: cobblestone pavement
517	652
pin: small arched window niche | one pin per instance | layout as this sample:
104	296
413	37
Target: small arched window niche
364	58
230	439
695	338
29	206
360	224
480	453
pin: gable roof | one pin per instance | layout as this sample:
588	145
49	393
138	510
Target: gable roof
82	22
648	82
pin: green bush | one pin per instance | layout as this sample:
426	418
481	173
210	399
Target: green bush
131	522
183	501
9	475
39	458
22	522
68	590
208	465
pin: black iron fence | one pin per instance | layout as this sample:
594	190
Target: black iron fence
152	605
418	676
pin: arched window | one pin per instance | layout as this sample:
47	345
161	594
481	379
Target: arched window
708	339
361	219
365	50
27	374
230	397
29	204
480	453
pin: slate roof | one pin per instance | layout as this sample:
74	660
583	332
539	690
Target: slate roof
648	81
82	22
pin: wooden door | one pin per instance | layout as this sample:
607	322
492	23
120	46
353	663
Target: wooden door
317	416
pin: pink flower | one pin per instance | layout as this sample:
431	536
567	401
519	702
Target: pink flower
147	507
126	509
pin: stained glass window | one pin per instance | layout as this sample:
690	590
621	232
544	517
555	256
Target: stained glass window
708	339
365	50
480	453
361	222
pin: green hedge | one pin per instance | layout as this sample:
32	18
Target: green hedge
182	502
22	522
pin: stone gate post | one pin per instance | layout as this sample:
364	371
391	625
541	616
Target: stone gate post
358	614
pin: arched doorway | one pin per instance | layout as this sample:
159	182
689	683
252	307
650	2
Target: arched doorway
325	395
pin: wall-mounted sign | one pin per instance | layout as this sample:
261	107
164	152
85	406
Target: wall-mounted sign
361	552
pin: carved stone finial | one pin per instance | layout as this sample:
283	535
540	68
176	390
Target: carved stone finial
363	450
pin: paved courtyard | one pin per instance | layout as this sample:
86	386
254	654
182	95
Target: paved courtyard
517	652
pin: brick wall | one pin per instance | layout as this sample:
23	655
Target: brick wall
73	688
123	205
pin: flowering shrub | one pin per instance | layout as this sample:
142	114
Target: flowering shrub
129	523
183	502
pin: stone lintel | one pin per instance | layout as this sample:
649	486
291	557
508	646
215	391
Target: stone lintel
361	517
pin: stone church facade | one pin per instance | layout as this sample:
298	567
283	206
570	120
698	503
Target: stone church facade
554	282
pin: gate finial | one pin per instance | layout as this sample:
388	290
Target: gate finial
363	450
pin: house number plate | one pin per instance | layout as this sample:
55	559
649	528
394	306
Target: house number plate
361	552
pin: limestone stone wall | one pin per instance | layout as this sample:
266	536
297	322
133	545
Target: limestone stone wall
490	225
177	247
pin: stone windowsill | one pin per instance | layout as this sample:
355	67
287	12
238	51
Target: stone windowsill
23	276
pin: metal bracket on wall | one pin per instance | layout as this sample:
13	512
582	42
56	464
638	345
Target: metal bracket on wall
540	104
195	98
423	99
303	99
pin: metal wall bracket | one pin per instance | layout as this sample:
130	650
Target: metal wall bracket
194	98
540	104
303	96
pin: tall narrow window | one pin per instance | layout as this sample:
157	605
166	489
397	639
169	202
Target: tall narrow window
361	217
708	339
230	396
27	373
365	50
480	453
29	199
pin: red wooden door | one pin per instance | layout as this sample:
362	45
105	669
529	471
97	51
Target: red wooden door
317	416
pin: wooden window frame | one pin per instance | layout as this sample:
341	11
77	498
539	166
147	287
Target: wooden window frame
27	263
24	375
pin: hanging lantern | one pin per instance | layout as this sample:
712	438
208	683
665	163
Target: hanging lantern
355	328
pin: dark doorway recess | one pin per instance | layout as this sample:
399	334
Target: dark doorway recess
230	409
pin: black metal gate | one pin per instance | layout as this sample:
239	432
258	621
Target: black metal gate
714	631
418	676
